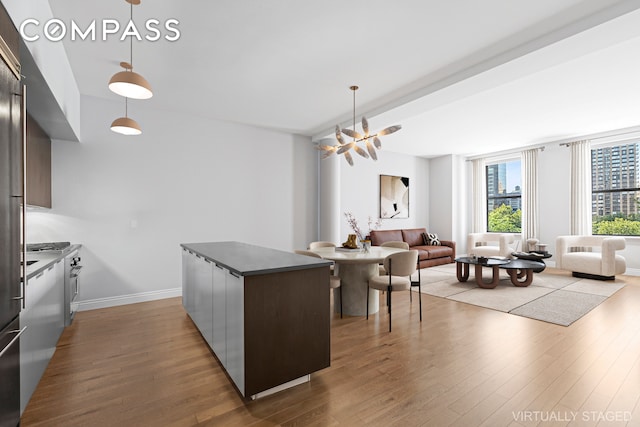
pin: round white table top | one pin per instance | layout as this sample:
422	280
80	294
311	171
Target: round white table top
375	255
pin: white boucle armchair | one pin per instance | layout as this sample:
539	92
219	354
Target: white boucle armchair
490	244
602	263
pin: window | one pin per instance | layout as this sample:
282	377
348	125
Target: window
615	192
504	197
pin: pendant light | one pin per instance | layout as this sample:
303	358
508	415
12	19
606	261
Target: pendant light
125	125
371	141
128	83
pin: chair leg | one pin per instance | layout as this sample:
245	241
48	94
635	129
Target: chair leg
420	298
419	291
389	292
367	299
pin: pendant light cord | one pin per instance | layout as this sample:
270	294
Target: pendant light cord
130	37
354	110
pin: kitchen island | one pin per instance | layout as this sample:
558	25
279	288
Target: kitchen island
265	313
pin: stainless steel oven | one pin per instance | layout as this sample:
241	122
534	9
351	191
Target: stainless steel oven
72	270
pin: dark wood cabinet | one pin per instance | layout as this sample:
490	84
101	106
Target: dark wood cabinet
38	165
264	313
9	42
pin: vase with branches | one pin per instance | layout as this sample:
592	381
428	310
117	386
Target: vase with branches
371	224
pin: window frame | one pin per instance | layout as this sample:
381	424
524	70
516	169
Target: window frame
597	195
488	197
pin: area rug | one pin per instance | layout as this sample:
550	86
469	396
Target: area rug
553	298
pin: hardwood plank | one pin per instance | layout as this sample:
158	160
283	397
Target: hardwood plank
146	364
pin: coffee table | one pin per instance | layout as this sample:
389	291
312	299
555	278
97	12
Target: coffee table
516	268
462	270
534	256
519	268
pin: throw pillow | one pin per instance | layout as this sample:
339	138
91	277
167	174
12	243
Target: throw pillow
433	239
425	239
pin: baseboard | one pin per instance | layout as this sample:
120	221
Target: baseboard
632	272
128	299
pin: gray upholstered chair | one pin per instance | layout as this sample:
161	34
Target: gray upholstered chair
400	265
334	281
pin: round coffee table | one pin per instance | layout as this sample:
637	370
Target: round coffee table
519	268
533	256
462	270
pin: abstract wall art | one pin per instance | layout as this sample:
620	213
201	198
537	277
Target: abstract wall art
394	196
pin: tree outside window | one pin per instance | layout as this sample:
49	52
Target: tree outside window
504	197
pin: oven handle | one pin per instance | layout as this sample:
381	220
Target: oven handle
19	332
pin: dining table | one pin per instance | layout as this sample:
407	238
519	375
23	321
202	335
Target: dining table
355	267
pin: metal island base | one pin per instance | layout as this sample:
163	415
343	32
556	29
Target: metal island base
265	313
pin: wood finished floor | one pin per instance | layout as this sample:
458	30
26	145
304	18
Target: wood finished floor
146	365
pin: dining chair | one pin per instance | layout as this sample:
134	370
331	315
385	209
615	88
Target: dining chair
391	244
334	281
400	265
320	244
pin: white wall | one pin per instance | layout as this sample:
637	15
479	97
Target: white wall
131	200
448	208
360	190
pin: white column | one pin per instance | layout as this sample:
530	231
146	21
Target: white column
329	182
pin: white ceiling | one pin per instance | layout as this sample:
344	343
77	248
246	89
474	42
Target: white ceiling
461	76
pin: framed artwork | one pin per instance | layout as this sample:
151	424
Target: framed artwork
394	196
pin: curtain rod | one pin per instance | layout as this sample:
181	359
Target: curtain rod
604	135
505	152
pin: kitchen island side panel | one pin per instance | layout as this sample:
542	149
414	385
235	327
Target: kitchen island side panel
287	326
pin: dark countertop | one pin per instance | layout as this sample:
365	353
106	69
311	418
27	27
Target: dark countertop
46	259
250	260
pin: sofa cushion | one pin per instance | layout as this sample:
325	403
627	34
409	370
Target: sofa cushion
413	236
590	263
378	237
422	252
431	252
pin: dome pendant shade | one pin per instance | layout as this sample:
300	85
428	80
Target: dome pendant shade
126	126
131	85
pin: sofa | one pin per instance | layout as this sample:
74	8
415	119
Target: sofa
428	255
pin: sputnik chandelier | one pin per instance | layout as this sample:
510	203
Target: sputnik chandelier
371	141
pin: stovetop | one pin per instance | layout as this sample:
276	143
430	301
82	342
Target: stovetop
51	246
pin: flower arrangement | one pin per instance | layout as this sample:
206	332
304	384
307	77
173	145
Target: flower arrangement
353	223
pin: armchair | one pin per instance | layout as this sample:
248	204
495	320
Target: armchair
490	244
602	264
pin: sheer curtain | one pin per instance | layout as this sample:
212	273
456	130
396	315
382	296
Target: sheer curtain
581	188
529	159
479	202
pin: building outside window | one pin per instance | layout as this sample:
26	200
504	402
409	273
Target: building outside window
504	197
615	194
